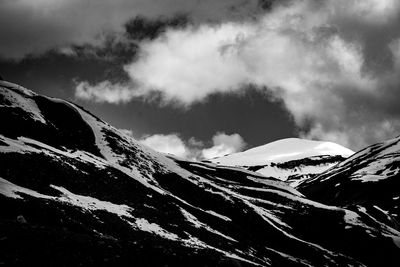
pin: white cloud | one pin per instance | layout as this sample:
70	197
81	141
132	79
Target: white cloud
224	144
128	132
170	143
193	149
370	11
206	54
35	26
305	53
104	92
283	50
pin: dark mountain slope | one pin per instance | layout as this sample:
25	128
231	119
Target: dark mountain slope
367	181
76	191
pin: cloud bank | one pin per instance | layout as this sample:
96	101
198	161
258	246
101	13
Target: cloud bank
35	26
334	63
193	149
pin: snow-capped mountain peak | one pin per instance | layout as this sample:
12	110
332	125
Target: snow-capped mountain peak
282	151
293	159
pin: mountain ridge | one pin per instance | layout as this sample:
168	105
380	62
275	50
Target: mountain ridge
76	191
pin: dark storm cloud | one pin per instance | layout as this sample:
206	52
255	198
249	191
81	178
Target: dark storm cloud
33	27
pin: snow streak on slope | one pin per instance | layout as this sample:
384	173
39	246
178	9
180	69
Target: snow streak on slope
86	203
12	99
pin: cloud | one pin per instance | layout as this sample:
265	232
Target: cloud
127	132
334	63
193	149
170	144
224	144
34	27
104	92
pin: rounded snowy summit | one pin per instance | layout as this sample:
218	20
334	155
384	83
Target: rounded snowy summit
282	151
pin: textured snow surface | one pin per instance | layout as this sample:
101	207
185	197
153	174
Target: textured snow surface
26	145
303	172
378	169
17	88
154	228
11	190
372	164
84	202
90	203
13	99
139	173
196	223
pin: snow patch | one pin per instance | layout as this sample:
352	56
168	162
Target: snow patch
26	145
396	240
144	225
352	218
369	178
302	171
16	100
17	88
218	215
90	203
196	223
11	190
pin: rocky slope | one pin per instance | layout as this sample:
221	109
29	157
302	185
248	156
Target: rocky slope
368	182
76	191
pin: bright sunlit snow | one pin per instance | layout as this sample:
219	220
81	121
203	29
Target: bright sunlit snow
282	151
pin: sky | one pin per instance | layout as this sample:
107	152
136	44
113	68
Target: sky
201	79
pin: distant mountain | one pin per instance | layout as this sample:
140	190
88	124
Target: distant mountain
76	191
293	159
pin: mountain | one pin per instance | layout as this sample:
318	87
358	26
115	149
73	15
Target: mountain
76	191
293	160
368	181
